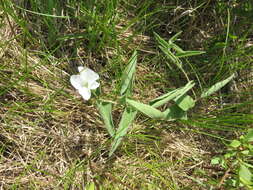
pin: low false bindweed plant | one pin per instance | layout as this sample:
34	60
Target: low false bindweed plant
182	102
238	162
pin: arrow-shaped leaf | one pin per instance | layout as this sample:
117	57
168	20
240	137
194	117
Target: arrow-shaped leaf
172	95
146	109
126	120
127	77
162	42
217	87
245	175
105	109
189	53
174	38
174	112
171	56
249	136
177	48
185	102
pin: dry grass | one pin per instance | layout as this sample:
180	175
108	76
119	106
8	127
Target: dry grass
51	139
46	134
43	130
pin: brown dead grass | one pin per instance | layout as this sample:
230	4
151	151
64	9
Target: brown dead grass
47	131
40	146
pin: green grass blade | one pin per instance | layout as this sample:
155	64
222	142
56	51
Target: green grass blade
127	77
126	120
217	87
146	109
42	14
105	109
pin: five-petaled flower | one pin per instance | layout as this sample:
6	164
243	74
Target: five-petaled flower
85	81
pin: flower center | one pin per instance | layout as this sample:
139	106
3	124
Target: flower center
85	84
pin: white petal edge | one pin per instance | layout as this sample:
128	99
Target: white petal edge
80	68
76	81
89	75
85	93
93	85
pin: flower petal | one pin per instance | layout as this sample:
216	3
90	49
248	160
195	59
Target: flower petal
93	85
80	68
76	81
89	75
85	93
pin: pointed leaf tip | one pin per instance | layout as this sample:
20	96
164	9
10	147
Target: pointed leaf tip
128	75
217	87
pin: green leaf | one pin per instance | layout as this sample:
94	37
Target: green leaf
105	109
174	112
223	163
235	144
172	57
166	46
128	75
185	102
250	147
233	36
189	53
245	152
174	38
177	48
215	161
217	86
249	136
172	95
245	175
162	42
161	100
248	165
229	154
126	120
146	109
90	186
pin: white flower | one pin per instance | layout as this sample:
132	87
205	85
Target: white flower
85	82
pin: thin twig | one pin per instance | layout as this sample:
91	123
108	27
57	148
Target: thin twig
224	177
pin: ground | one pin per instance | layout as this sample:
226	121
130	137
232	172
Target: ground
52	139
